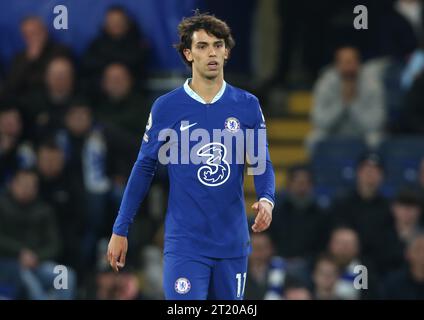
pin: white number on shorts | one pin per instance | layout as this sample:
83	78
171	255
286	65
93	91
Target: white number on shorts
240	290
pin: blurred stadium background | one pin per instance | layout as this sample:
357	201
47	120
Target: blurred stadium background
345	118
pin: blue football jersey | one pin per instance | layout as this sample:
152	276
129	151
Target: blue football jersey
205	147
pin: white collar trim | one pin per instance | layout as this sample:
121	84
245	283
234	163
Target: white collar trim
198	98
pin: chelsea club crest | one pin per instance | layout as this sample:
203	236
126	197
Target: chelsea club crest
232	124
182	285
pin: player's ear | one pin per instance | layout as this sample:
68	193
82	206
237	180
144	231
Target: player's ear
227	53
188	55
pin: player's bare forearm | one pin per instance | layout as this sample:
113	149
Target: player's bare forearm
263	210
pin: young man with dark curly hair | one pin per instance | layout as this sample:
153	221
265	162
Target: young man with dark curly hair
206	231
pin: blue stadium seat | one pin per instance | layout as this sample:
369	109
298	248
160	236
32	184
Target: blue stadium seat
333	164
402	156
8	291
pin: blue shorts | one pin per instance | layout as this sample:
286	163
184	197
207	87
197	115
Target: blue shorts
201	278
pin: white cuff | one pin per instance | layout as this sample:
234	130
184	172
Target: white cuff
267	200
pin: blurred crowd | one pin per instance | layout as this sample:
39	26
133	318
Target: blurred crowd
70	129
311	252
370	92
69	132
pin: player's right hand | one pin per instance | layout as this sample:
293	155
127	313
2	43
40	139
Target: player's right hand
263	219
116	251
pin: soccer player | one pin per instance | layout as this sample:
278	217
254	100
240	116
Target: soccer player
206	230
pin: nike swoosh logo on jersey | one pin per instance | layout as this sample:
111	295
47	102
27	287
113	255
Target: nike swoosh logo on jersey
183	128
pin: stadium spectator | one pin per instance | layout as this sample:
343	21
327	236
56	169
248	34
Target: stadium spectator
97	158
29	235
406	210
45	108
58	189
266	271
105	285
124	286
412	12
15	153
365	209
119	41
298	227
344	248
295	290
408	282
119	104
399	28
412	110
348	101
28	67
325	276
413	68
128	287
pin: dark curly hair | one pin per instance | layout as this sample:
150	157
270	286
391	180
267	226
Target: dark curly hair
207	22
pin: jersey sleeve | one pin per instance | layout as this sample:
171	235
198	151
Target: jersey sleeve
142	172
262	170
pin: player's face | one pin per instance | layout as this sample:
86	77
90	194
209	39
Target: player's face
207	54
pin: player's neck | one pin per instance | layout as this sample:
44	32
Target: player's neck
207	89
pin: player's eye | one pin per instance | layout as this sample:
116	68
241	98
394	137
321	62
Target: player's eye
201	46
219	45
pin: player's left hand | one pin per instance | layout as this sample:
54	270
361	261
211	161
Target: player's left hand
263	219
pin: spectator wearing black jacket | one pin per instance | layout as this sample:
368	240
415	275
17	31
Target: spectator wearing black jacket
119	41
344	248
119	104
267	271
45	108
406	210
28	67
59	190
299	226
366	210
413	113
29	237
325	275
98	159
408	282
15	151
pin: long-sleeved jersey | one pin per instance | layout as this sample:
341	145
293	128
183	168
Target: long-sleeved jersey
206	147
